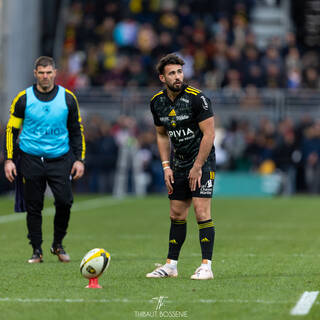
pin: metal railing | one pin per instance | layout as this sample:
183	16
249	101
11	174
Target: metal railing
273	104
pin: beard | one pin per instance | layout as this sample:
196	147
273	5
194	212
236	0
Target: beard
45	85
174	88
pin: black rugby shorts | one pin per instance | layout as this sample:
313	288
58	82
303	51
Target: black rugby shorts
181	189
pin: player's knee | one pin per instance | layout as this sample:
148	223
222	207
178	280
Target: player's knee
202	209
202	214
177	214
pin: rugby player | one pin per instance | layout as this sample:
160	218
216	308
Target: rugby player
184	123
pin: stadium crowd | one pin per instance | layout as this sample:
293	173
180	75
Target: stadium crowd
292	149
117	43
288	147
113	44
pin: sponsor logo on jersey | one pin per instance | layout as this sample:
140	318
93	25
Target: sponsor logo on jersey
205	105
179	118
48	131
45	108
183	117
206	188
172	113
180	133
184	100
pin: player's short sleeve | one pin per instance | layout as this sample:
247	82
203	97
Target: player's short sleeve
156	119
202	107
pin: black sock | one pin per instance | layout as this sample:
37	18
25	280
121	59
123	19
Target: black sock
206	237
178	231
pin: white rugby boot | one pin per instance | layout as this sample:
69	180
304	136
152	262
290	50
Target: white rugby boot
168	270
202	273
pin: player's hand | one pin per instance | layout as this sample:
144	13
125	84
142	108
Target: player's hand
10	170
168	179
77	170
194	177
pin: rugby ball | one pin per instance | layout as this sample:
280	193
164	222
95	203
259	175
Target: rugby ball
94	263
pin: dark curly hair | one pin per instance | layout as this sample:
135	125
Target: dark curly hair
170	58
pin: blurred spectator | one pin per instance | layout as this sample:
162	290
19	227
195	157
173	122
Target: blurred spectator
311	156
212	36
274	77
252	70
137	76
125	33
185	16
164	46
294	78
239	27
292	59
287	157
272	58
222	156
219	59
310	59
254	76
222	29
188	68
232	90
290	41
234	59
311	79
234	144
312	173
251	99
147	39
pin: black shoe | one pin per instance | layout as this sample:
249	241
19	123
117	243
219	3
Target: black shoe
58	250
36	257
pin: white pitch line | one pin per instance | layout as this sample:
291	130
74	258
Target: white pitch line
26	300
125	300
241	301
305	303
249	255
79	206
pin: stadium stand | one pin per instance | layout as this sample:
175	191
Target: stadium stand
116	44
265	87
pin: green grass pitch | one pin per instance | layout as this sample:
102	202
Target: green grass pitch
266	255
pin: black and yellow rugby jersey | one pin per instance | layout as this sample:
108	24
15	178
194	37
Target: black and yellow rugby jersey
181	120
17	115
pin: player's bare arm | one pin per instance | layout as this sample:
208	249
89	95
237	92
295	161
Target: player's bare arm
77	170
207	128
10	170
12	131
163	142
